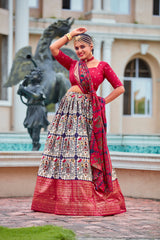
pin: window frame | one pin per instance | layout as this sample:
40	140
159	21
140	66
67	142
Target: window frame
71	9
156	15
119	13
137	79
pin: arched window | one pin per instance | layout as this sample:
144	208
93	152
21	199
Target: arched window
138	88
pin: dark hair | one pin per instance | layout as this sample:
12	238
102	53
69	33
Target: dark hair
85	38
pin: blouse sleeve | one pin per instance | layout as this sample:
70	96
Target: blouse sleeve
111	76
64	60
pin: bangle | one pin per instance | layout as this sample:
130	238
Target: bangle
69	37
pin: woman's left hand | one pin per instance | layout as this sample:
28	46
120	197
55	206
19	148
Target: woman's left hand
78	31
114	94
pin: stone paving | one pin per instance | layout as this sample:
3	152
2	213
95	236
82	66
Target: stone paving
141	221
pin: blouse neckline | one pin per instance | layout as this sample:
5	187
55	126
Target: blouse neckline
95	67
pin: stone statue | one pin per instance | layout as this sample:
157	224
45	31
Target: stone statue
45	80
53	73
36	116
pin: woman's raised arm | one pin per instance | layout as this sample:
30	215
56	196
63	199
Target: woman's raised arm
54	47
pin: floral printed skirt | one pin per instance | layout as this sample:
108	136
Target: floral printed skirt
64	182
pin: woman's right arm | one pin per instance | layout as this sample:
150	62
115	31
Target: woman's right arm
54	47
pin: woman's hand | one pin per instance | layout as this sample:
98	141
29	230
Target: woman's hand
78	31
114	94
55	46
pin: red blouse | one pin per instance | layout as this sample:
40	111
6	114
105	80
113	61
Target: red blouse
98	74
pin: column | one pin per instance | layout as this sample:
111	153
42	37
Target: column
97	54
10	46
96	5
21	40
106	6
106	88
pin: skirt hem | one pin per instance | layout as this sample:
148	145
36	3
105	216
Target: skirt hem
76	198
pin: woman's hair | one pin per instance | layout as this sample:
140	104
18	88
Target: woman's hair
84	38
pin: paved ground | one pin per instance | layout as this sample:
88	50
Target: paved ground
141	221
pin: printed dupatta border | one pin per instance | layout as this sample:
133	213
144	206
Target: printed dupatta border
99	153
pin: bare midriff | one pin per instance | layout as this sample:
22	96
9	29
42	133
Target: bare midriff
75	88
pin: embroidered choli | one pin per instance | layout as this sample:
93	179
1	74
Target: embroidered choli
98	74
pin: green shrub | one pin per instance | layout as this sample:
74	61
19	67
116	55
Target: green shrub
47	232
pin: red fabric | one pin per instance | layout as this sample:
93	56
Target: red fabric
79	197
76	197
99	154
98	74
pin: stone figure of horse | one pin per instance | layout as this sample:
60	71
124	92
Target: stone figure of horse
55	82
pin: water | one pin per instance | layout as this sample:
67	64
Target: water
117	148
135	149
127	143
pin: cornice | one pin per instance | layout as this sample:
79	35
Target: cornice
137	161
112	34
92	23
134	161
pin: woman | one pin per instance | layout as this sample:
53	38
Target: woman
75	175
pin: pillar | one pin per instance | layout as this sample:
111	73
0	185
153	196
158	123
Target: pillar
106	6
106	88
21	40
96	5
10	46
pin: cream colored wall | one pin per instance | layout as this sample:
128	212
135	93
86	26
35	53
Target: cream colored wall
51	8
5	119
4	18
142	6
33	41
5	116
156	20
158	106
139	183
139	125
88	5
16	182
20	182
122	52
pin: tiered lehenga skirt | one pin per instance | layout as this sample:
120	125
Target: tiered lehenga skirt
64	182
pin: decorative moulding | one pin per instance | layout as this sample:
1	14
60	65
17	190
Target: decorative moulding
144	48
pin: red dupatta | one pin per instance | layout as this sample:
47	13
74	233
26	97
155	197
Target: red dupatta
99	153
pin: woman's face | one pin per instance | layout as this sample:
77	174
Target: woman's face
83	49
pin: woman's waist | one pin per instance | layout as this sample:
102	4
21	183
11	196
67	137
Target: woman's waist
75	88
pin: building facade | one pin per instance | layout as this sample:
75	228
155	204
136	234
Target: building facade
126	34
